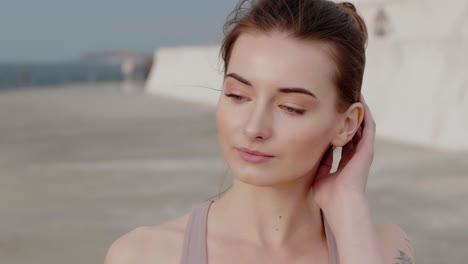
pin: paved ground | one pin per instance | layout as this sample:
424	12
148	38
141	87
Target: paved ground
81	166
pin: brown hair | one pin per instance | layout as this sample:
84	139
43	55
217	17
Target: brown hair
336	24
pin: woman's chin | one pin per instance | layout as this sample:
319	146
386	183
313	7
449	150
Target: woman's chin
262	179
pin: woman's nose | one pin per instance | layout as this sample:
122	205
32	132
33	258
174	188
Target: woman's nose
258	124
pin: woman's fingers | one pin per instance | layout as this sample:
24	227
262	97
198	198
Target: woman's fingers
357	137
364	149
366	143
350	148
325	165
346	154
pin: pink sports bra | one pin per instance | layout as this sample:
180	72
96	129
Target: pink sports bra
195	247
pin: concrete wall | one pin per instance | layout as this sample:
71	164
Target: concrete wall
187	73
416	79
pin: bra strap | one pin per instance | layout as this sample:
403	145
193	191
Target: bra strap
331	242
195	245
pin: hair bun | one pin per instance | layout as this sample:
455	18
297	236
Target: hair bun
351	9
348	5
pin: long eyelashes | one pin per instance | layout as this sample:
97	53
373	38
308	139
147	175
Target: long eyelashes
294	110
238	99
235	97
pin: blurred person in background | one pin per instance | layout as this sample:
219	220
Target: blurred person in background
381	23
127	68
291	94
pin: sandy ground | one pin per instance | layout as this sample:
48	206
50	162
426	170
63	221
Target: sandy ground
82	165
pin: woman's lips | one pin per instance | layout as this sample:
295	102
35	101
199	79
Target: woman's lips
248	156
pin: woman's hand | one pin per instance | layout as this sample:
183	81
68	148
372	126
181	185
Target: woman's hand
341	197
351	176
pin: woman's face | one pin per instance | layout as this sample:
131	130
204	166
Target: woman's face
295	128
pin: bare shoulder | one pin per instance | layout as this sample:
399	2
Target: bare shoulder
150	244
395	243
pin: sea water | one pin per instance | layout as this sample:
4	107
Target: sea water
24	75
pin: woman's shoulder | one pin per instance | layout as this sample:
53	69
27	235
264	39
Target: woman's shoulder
150	244
394	242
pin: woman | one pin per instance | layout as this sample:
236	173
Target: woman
293	71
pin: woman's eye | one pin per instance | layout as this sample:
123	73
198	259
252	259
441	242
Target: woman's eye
235	97
294	110
291	110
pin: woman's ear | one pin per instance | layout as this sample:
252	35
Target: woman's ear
349	123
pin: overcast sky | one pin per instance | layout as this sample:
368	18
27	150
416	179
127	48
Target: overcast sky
51	30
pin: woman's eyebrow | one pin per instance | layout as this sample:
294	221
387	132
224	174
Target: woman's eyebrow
281	89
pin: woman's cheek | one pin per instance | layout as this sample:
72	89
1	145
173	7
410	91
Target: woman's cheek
227	122
305	143
222	122
227	118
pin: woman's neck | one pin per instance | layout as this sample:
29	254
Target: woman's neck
270	217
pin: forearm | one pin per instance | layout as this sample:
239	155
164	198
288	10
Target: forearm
351	222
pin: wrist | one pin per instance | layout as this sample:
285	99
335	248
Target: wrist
345	202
